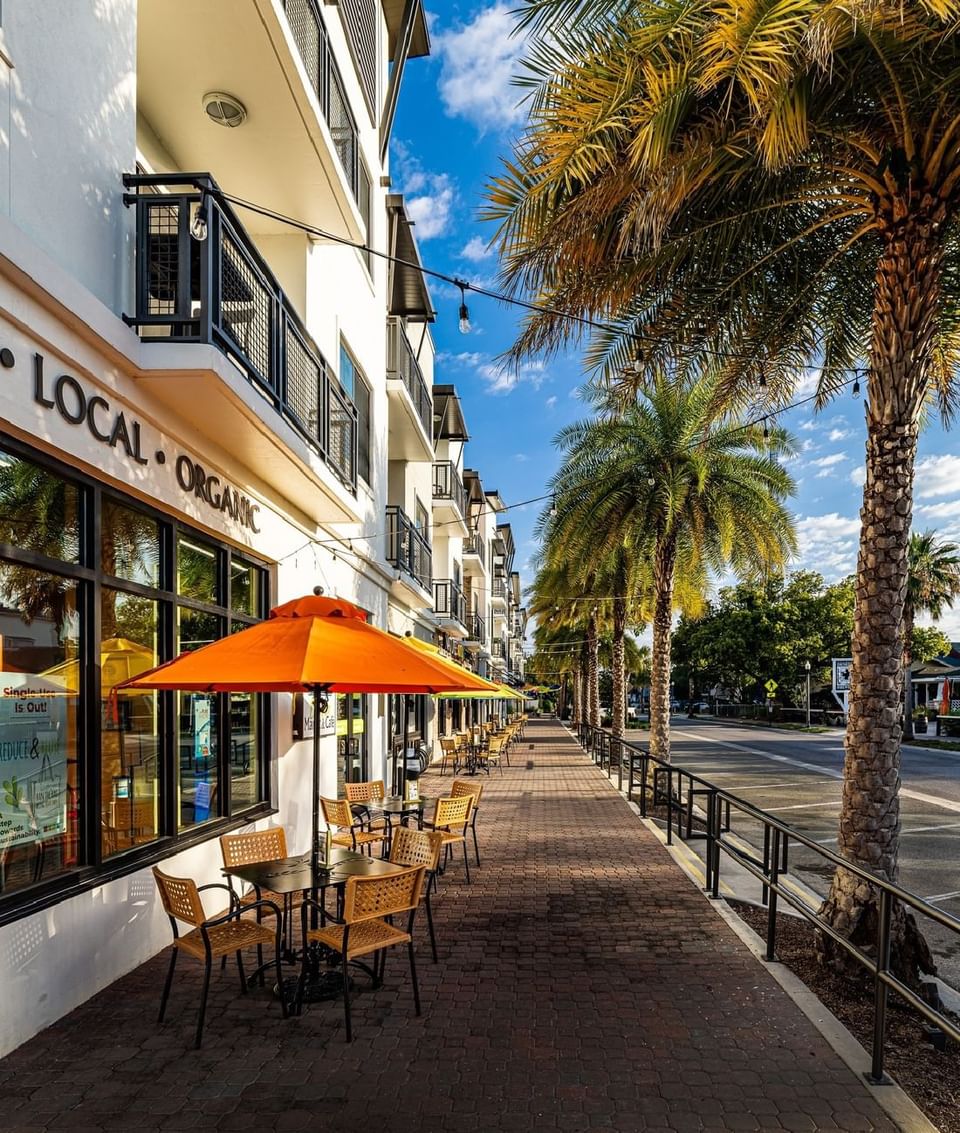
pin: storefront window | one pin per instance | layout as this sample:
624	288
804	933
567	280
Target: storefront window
129	733
163	762
40	687
197	571
130	544
39	511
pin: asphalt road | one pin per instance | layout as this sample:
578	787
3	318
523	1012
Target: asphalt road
797	777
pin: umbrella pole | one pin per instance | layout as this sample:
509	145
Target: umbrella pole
318	692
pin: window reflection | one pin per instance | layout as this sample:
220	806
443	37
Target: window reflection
39	511
244	588
196	570
244	764
129	544
197	728
39	697
129	723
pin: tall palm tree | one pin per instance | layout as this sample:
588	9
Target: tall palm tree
933	584
771	186
680	490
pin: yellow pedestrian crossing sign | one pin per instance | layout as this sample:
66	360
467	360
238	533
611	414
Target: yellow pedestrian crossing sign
771	687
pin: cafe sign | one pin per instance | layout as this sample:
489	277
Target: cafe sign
68	397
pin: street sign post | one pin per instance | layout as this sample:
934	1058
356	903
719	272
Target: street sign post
841	667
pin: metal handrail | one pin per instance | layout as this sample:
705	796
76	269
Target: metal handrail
447	484
449	600
408	548
221	291
473	545
477	628
605	747
403	365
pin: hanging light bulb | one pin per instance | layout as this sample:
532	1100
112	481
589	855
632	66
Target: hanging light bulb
763	380
198	226
856	384
464	323
553	506
766	430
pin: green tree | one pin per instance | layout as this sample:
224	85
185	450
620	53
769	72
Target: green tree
933	584
682	492
775	185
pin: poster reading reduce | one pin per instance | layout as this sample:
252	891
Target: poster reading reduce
33	758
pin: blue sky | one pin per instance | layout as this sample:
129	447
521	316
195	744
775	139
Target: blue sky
457	116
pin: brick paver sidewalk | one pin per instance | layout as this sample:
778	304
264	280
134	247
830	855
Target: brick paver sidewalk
583	983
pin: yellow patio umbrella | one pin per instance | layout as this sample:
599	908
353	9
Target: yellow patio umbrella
120	659
481	687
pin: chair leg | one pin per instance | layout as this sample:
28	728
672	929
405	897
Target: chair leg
413	977
203	1002
277	956
346	1000
168	984
243	978
476	846
466	859
433	939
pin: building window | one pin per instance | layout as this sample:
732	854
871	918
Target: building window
355	384
95	589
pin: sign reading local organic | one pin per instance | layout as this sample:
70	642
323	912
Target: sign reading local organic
33	758
71	400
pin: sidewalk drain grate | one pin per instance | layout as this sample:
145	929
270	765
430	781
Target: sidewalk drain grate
529	764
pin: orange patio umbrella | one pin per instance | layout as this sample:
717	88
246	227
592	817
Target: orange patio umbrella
311	644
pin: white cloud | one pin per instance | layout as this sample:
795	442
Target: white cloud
809	426
829	461
858	476
430	213
476	249
551	402
828	544
936	476
478	62
502	379
839	434
464	358
949	509
521	457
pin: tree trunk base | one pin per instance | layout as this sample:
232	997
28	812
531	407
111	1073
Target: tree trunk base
853	910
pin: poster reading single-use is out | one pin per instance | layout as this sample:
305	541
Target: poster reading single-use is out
33	758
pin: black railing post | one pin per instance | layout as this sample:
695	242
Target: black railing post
630	777
718	830
711	837
617	745
764	891
772	906
644	774
880	988
669	772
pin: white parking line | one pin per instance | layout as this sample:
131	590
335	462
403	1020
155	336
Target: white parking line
943	896
904	831
829	772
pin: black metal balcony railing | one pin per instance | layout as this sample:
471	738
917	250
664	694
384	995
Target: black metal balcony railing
447	485
402	364
221	291
499	589
473	545
498	647
449	601
310	36
476	628
407	548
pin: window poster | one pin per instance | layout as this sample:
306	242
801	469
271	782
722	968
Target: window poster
33	758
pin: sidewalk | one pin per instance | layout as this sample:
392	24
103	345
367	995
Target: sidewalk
584	983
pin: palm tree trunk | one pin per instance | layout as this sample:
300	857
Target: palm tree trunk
663	565
619	673
906	299
593	674
908	618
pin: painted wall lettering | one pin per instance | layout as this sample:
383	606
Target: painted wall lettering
193	477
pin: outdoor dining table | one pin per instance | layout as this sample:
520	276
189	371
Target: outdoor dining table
289	876
392	809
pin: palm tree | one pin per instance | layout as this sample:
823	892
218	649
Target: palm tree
933	584
767	186
678	492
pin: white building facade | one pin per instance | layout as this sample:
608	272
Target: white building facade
204	411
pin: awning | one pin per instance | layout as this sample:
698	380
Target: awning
409	297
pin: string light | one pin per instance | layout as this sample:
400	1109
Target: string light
766	430
198	226
464	323
856	385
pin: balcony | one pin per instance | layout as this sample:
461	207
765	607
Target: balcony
498	590
498	649
409	551
411	407
449	605
473	554
476	633
300	429
297	151
449	498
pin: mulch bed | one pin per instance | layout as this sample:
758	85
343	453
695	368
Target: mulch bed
929	1076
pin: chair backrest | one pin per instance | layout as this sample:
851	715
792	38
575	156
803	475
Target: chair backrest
462	738
253	846
448	744
371	791
368	897
181	900
495	745
453	811
337	812
416	847
461	787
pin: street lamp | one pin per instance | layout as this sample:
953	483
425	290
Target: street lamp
806	666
